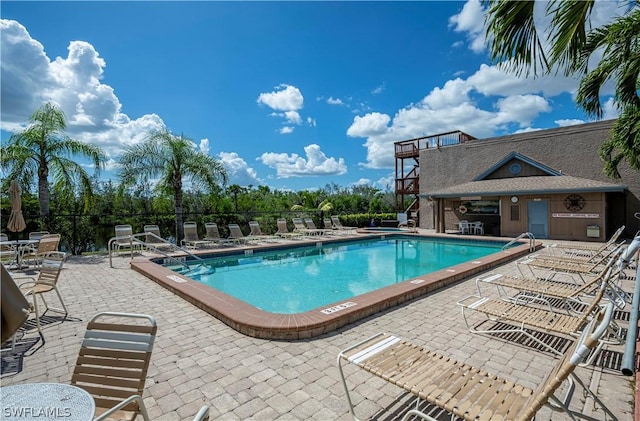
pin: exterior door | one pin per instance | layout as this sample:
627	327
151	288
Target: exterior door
538	218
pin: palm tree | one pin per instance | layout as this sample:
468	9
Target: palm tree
515	43
43	149
172	159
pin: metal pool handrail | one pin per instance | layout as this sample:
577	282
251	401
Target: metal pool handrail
532	241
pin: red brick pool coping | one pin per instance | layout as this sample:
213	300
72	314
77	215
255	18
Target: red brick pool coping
257	323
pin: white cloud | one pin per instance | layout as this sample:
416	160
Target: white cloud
386	183
293	117
334	101
315	163
610	110
522	109
371	124
238	170
93	112
311	121
362	182
569	122
204	146
379	89
452	106
471	21
287	98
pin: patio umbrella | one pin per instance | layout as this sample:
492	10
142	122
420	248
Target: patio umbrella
15	307
16	220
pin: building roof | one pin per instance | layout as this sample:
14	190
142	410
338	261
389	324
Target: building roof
523	158
525	185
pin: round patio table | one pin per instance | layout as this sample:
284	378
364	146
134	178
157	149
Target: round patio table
46	401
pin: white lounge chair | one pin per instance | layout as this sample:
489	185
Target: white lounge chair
283	231
191	239
467	392
256	233
236	235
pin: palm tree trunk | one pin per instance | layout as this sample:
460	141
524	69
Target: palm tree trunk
179	220
43	198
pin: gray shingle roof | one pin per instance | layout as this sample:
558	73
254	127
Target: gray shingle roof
525	185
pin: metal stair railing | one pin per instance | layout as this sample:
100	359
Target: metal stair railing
152	246
530	236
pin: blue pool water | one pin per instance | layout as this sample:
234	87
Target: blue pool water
299	279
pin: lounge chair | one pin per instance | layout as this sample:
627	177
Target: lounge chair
311	226
299	226
191	239
596	257
525	319
570	294
467	392
46	244
124	239
328	225
338	225
552	268
154	239
236	235
213	234
283	231
113	362
257	235
586	249
45	281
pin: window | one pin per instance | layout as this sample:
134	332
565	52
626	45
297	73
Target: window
515	212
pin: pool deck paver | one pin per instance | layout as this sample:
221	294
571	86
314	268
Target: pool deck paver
198	360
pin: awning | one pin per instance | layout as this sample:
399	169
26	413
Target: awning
525	186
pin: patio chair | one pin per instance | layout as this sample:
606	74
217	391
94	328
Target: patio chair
46	244
338	225
463	227
283	231
525	319
7	252
467	392
44	282
191	239
257	235
113	361
236	235
153	238
124	239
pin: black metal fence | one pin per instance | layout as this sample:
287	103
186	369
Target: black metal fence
91	233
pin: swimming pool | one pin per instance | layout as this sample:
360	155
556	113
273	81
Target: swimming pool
256	322
302	279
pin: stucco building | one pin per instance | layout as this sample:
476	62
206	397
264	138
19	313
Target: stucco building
547	182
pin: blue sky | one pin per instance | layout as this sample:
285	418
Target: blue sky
291	95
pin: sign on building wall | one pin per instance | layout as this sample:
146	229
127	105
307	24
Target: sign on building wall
575	215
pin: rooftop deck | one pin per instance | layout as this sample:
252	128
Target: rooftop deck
199	360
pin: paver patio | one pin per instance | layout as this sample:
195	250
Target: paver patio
198	360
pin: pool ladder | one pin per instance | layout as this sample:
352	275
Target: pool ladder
530	236
174	248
